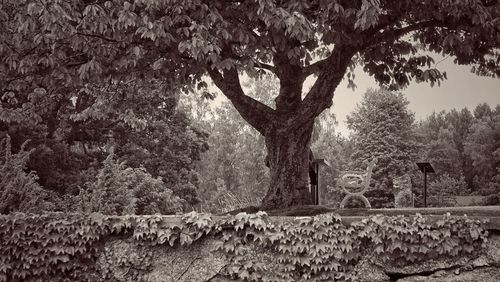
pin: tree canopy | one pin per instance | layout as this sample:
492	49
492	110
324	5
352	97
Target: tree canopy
53	47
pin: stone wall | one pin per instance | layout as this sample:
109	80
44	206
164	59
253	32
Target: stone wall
126	259
347	245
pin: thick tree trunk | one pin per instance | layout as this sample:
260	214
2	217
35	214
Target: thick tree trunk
288	156
288	128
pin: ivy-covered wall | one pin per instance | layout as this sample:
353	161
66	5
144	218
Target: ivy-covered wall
245	247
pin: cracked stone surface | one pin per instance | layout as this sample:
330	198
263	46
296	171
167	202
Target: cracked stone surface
493	250
198	262
425	266
368	272
485	267
484	274
127	261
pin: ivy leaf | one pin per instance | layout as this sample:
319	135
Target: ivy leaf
379	249
185	239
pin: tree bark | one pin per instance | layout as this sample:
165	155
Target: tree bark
288	156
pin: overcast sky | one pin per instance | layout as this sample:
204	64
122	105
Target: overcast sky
461	89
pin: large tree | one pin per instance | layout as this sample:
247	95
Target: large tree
61	46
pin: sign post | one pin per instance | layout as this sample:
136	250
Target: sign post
316	188
425	168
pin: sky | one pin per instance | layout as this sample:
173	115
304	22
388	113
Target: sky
461	89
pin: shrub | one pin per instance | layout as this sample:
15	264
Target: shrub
120	190
19	190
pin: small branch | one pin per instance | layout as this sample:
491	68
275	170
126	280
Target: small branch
314	68
97	36
266	67
442	60
397	33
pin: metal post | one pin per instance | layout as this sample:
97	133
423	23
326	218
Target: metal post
315	189
425	167
317	183
425	188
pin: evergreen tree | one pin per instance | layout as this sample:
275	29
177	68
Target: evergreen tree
382	128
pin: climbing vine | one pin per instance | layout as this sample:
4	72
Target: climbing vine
60	247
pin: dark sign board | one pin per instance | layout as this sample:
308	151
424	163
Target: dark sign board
426	167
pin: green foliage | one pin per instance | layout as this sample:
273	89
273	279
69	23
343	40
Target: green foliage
59	247
19	190
120	190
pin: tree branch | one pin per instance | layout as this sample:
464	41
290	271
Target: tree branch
331	74
254	112
266	67
397	33
97	36
314	68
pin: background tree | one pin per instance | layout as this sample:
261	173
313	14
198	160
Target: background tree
141	120
60	47
460	124
483	147
383	129
461	146
445	186
443	154
334	148
233	171
494	197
